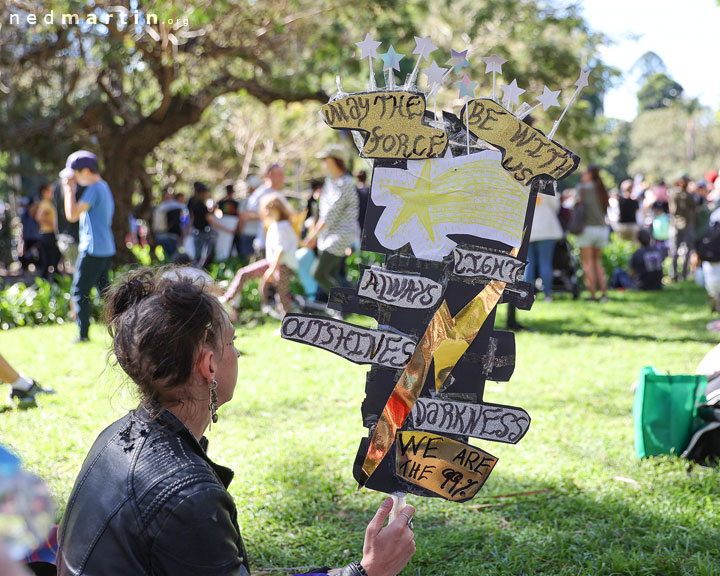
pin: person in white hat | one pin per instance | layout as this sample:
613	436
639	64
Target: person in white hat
336	229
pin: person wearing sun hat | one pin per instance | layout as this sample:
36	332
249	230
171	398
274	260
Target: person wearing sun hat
95	212
336	229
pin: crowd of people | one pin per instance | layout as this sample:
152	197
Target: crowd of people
277	238
664	222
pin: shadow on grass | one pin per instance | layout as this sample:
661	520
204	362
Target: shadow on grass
631	316
552	327
516	526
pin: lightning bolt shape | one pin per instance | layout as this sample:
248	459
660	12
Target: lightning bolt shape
445	340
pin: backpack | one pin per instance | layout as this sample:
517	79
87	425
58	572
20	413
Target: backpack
708	245
704	445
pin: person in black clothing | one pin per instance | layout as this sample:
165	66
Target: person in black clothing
363	196
30	234
228	205
627	227
203	222
167	224
231	207
148	499
646	264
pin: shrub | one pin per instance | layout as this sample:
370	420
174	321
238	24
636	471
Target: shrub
39	303
617	254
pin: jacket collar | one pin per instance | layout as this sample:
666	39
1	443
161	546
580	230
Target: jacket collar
156	416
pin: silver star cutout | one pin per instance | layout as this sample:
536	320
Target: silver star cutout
511	93
549	98
368	47
434	73
423	47
493	63
583	80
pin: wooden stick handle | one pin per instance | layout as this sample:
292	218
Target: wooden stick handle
399	502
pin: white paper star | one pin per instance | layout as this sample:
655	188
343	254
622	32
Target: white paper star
368	47
493	63
549	98
511	93
583	80
423	47
434	73
391	59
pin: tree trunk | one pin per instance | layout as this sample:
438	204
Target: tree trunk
121	175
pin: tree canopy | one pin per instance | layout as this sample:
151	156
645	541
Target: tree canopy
658	92
125	78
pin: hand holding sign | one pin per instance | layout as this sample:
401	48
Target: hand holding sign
387	550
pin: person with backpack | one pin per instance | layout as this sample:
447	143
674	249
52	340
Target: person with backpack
646	264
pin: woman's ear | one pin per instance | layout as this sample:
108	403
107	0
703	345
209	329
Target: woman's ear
206	364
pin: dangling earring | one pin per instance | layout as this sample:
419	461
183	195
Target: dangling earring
213	402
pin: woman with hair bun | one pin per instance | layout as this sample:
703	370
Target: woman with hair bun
148	499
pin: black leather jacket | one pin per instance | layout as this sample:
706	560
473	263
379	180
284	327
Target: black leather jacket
148	500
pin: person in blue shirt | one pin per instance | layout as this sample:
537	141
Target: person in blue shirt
96	246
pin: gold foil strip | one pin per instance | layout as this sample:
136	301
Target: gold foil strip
459	331
453	470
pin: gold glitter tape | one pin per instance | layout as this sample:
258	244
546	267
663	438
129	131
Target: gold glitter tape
446	339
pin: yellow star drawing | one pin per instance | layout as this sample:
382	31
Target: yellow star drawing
418	201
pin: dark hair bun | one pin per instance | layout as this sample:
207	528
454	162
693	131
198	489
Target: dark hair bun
127	292
158	320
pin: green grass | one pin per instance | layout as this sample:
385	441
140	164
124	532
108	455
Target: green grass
292	431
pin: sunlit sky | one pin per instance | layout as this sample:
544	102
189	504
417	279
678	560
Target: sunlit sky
684	33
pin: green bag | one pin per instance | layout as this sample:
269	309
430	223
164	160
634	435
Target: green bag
665	411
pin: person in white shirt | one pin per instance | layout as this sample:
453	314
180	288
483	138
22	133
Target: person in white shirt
251	216
546	231
281	243
276	268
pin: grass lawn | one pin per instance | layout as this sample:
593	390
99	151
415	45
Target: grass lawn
292	431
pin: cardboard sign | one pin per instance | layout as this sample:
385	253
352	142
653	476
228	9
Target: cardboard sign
393	122
528	152
490	265
451	469
404	290
494	422
359	345
433	199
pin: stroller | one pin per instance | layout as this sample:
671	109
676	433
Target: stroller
565	269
